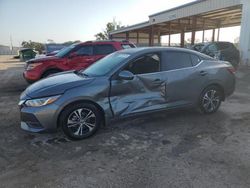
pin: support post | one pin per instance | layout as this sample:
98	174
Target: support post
218	34
159	38
213	35
137	37
151	36
203	31
127	36
203	35
169	36
182	38
194	20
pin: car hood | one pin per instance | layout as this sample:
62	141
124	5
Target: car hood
55	85
42	59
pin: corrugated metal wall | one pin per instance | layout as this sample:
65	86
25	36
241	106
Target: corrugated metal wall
194	9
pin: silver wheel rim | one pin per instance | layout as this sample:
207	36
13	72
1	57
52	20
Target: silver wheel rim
211	100
81	121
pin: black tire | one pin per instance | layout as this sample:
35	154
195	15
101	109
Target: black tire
30	81
210	99
80	127
50	72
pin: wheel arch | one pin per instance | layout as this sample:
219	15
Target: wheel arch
216	84
82	101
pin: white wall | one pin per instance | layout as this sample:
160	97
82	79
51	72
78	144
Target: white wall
245	33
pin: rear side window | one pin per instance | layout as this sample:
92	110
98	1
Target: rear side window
103	49
84	50
223	46
127	46
195	59
175	60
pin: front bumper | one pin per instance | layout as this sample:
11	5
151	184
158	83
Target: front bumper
31	76
39	119
27	127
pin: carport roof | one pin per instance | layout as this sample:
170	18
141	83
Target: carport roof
208	14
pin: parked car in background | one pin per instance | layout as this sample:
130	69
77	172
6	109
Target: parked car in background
125	83
225	51
75	57
52	53
26	54
51	48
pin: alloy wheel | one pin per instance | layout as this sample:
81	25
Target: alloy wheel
81	121
211	100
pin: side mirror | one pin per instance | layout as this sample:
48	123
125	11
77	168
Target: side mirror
126	75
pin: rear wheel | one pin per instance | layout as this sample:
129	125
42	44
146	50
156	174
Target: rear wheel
210	99
80	121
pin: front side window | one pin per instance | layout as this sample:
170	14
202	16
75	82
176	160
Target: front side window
148	63
84	51
103	49
175	60
212	48
63	52
195	59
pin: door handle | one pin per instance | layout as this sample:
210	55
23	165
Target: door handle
203	73
157	80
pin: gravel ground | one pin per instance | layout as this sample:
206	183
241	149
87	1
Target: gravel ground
175	149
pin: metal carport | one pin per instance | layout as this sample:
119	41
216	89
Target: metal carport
199	15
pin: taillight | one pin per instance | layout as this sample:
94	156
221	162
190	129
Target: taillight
232	70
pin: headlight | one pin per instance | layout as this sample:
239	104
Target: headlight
41	101
32	66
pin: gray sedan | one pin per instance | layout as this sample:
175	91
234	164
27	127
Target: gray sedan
125	83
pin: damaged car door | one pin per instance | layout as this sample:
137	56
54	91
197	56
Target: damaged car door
138	87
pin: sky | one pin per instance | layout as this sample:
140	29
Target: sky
69	20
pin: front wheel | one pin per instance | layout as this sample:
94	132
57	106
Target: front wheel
80	121
210	100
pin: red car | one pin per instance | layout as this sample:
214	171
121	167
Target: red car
74	57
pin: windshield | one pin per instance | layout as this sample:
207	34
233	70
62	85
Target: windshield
106	64
65	51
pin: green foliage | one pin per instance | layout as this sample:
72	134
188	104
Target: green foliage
33	45
110	26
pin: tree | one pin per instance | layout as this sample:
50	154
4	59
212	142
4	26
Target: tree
110	26
33	45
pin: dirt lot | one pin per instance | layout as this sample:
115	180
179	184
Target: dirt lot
178	149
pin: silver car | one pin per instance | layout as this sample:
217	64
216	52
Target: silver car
125	83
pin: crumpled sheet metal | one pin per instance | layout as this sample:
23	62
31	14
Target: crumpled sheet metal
141	93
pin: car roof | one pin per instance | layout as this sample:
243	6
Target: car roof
153	49
142	50
216	42
105	42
